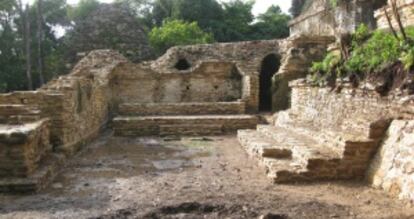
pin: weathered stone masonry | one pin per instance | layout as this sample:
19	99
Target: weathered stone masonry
335	134
341	133
213	94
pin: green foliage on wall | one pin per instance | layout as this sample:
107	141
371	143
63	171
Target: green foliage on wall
370	54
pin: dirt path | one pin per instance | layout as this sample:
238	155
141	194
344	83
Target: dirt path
188	178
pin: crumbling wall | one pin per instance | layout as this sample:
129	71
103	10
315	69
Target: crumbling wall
247	57
297	54
315	19
351	111
78	104
301	51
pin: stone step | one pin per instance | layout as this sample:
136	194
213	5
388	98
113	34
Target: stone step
154	125
302	146
191	130
260	146
310	160
18	113
18	109
47	171
206	108
283	171
360	130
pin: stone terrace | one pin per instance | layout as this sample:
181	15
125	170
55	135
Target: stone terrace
331	135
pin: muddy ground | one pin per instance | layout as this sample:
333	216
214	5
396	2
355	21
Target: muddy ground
189	178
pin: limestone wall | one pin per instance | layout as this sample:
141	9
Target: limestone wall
406	9
248	55
393	166
351	111
316	19
213	81
296	53
300	53
245	56
321	18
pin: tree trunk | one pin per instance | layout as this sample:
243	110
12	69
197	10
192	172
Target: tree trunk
40	42
25	27
397	17
28	48
394	32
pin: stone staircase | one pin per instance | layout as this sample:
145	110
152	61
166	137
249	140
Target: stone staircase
18	113
190	119
295	150
27	163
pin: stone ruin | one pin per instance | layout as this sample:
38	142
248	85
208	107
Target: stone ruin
214	89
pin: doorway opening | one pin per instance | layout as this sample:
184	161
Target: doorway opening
270	65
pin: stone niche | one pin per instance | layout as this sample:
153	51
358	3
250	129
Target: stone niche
210	81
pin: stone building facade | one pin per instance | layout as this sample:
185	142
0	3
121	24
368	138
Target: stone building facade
321	17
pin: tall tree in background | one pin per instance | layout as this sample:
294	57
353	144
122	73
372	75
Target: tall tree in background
12	65
81	10
163	9
39	18
272	24
28	47
208	14
237	20
25	31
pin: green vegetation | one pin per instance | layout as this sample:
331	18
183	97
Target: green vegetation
177	32
371	53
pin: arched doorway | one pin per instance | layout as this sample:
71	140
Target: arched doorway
270	65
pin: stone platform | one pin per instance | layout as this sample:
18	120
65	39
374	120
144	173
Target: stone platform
217	108
185	119
26	160
182	124
294	151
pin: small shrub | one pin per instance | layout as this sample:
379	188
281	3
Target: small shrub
177	32
361	34
407	58
380	49
322	71
371	52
